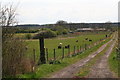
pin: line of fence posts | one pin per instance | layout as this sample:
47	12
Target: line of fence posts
76	49
54	55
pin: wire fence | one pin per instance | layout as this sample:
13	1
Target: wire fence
66	51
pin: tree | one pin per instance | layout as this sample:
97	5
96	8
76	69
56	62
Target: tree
60	30
61	22
7	15
45	34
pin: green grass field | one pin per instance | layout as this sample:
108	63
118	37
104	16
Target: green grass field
53	43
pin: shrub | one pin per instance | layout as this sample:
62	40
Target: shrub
65	31
59	32
45	34
12	54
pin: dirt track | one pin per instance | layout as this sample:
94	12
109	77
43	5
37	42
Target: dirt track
101	69
69	71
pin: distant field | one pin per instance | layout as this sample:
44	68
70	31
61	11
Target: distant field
76	34
22	35
53	43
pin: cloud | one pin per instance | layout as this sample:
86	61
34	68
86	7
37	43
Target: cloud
49	11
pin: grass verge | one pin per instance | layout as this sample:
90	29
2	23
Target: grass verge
113	62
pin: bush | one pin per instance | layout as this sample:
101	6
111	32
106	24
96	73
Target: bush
60	30
45	34
65	31
12	54
57	28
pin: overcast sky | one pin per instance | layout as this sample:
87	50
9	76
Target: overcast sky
50	11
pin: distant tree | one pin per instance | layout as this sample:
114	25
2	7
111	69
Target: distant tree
45	34
61	22
60	30
65	31
57	28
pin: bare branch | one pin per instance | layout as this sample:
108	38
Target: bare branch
7	15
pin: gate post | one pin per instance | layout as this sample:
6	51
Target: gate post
42	51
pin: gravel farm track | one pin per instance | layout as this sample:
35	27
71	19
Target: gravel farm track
99	70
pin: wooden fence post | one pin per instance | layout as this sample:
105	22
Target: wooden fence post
47	54
54	55
85	46
42	59
69	51
77	49
74	49
63	52
80	48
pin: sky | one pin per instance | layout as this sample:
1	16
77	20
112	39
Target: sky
78	11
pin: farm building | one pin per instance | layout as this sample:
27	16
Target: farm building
90	29
100	29
84	29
